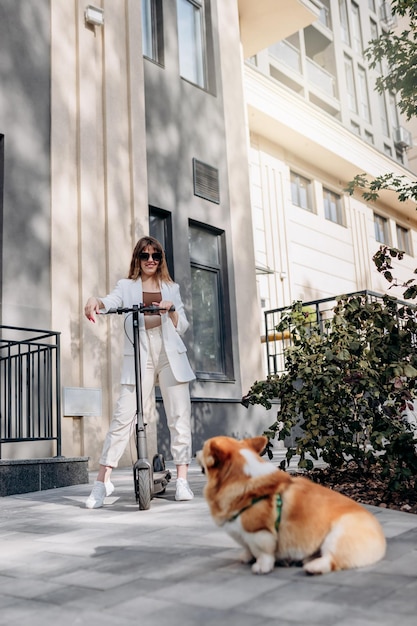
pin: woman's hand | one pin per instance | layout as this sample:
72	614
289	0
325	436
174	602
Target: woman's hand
166	304
92	308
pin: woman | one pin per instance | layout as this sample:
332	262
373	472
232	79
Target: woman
163	360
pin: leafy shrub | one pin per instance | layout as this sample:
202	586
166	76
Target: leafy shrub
348	387
383	263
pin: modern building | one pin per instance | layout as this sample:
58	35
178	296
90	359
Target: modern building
126	117
398	25
120	118
316	121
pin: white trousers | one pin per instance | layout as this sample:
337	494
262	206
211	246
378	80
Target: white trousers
177	404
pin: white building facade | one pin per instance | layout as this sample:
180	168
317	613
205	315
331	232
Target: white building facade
315	121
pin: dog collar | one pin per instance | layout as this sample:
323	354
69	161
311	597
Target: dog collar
278	505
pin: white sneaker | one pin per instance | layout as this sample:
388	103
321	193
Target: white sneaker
183	491
109	488
98	493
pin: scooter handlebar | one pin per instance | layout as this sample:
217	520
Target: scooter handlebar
141	308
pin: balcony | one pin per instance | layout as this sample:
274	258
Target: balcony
286	66
265	21
321	79
288	54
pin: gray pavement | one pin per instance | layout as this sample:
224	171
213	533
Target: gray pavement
171	566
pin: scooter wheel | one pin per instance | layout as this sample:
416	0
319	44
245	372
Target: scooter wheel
144	489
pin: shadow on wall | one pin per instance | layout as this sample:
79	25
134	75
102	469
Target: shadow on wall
25	121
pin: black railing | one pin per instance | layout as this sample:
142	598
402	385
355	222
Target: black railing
30	387
317	312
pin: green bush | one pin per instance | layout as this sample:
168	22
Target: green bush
348	387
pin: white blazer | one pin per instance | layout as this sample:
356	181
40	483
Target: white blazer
129	292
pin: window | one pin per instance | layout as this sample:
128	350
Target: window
344	23
393	112
301	192
160	227
355	127
356	29
350	85
403	239
374	29
364	109
399	155
211	328
332	207
383	114
381	229
152	30
324	16
191	41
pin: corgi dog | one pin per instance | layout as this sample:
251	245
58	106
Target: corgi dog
277	517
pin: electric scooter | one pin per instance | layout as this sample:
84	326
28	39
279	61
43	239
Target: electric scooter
149	479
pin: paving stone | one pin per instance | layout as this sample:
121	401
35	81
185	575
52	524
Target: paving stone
172	566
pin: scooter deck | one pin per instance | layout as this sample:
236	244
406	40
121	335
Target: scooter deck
160	481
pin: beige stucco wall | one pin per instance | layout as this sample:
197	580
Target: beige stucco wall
100	198
247	308
99	192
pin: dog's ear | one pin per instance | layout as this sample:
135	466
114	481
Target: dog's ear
258	443
216	453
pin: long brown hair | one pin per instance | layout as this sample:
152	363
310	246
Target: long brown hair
162	271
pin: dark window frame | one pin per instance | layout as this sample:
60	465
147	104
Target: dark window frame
225	347
208	82
163	234
199	60
156	35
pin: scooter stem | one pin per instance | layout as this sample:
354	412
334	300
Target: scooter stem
140	433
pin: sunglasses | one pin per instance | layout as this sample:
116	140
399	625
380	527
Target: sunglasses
155	256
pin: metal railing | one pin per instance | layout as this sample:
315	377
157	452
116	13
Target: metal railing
30	387
317	313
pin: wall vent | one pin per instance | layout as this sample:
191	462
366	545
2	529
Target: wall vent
206	181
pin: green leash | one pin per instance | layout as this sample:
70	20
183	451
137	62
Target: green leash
278	505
